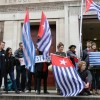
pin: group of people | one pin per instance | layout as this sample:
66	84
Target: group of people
8	61
23	76
89	74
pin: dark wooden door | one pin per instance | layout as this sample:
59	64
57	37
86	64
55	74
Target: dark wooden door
34	32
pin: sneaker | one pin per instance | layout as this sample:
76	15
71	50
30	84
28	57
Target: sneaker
37	92
27	91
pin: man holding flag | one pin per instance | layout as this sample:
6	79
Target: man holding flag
28	46
25	54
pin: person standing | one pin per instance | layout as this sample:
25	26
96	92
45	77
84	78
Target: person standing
95	71
85	53
60	52
20	68
10	63
72	55
41	72
2	62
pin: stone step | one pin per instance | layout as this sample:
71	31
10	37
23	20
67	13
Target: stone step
52	96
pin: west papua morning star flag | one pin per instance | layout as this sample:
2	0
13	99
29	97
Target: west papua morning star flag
94	59
28	46
44	36
92	6
67	78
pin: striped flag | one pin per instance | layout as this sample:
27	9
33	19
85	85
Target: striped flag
28	46
94	58
91	6
44	35
67	78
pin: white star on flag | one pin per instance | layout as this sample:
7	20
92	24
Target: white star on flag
63	62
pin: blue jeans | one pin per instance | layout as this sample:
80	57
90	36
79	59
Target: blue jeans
11	74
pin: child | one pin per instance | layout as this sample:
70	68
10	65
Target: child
85	76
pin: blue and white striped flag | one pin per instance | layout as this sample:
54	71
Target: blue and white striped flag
94	58
44	36
28	46
95	7
67	78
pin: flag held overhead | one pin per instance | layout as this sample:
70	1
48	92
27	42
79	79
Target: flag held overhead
28	46
44	37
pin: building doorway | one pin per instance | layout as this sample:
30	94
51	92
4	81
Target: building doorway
91	31
34	32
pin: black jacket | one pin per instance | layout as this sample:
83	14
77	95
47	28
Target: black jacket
39	68
85	76
71	54
10	63
85	57
2	62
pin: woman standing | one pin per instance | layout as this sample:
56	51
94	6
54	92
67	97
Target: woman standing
10	63
60	52
95	71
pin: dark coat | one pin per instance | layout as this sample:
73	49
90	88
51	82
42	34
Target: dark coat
39	68
2	62
85	57
71	55
85	76
10	63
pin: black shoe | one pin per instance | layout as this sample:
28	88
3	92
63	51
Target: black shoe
46	92
17	92
6	92
88	93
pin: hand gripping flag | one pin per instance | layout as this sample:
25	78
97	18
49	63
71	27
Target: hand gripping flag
28	46
67	78
91	6
44	36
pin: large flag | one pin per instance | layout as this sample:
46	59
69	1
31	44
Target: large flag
91	6
66	76
44	35
28	46
94	59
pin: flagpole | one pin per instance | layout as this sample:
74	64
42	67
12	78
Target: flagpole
81	21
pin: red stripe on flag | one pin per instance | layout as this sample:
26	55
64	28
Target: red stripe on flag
26	16
88	4
41	28
61	61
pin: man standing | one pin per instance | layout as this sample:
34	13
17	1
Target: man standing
2	62
85	53
20	68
